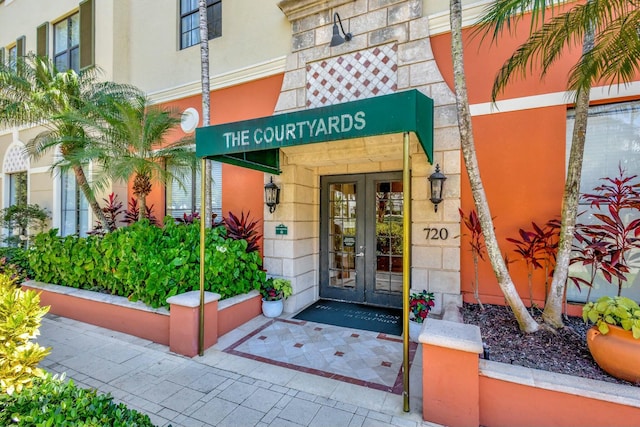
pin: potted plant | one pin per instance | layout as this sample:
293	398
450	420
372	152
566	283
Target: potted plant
420	304
614	340
274	291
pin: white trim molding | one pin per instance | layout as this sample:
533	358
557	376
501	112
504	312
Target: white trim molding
41	169
440	22
231	78
600	93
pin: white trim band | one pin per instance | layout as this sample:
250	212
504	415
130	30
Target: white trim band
599	93
440	22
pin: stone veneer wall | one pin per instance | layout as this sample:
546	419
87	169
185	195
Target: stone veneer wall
398	29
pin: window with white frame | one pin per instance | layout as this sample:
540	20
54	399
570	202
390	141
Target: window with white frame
66	43
74	210
190	21
183	193
612	141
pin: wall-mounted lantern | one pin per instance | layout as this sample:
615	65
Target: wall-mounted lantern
271	195
436	180
337	39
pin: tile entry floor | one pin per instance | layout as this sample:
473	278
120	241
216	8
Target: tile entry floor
370	359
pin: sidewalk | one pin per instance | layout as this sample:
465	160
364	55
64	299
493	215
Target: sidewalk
217	389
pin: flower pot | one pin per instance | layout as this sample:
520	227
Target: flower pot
414	330
272	308
617	353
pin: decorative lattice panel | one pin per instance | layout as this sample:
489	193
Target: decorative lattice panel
354	76
16	160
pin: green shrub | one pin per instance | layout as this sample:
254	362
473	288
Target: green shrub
52	402
23	221
16	263
147	263
20	317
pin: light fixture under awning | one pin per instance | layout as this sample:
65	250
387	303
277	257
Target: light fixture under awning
255	143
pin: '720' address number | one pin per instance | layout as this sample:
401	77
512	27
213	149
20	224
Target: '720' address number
437	233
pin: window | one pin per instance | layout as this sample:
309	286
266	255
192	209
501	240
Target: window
13	56
18	189
613	139
14	52
185	199
66	43
17	197
190	21
74	214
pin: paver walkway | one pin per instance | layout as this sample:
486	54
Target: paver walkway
217	389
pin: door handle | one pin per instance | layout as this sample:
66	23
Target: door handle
360	254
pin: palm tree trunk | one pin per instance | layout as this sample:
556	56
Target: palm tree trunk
206	104
525	321
81	179
552	314
142	205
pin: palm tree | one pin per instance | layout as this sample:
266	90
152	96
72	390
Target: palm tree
206	103
525	321
130	141
607	33
35	92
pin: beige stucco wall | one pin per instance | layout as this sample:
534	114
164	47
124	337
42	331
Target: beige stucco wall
253	32
22	17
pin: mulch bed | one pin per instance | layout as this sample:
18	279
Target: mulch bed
565	352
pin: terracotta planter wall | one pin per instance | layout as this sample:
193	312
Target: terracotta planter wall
119	314
459	389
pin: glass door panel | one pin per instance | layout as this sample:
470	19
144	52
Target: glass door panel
342	234
341	228
384	287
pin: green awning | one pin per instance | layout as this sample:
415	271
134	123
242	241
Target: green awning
255	143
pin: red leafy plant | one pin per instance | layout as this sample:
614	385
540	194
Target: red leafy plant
243	228
131	215
112	210
607	245
537	248
476	243
420	304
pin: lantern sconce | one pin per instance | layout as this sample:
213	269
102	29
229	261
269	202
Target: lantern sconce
271	195
436	181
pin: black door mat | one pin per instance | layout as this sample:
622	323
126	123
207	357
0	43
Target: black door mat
356	316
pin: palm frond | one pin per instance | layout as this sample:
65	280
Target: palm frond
613	56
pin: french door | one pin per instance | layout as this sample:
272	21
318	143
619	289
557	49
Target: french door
361	238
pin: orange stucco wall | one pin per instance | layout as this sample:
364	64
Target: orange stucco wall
178	329
143	324
521	154
456	392
450	399
522	161
242	189
503	403
483	58
231	317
